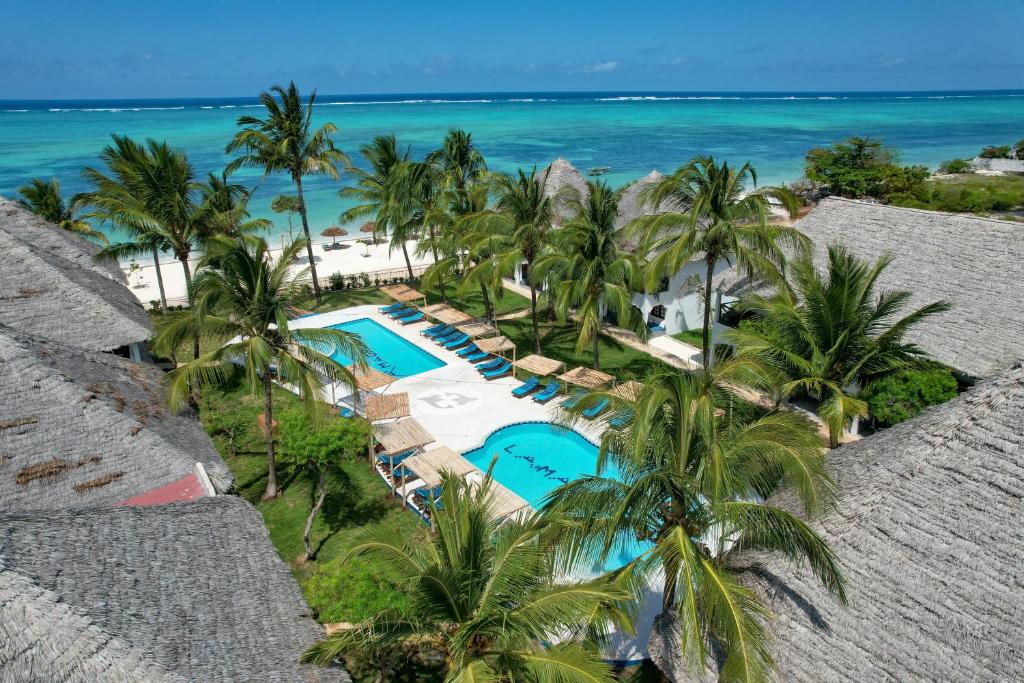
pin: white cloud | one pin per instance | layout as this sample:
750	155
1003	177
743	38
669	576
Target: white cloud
602	67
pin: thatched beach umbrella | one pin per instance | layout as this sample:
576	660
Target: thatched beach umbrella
334	232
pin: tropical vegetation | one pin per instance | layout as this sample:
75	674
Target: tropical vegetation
906	393
44	198
862	167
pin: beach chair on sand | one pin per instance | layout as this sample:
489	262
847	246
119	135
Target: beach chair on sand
411	319
502	369
546	393
489	365
596	409
526	387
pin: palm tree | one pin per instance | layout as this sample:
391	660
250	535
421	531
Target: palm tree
516	230
387	193
226	205
284	141
724	223
151	192
43	198
835	334
242	294
461	162
690	485
483	599
594	275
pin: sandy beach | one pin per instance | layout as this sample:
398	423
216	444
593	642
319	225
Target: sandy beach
357	258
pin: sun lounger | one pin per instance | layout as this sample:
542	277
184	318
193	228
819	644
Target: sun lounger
595	410
468	350
411	319
457	342
546	393
477	357
490	365
440	332
445	338
502	369
432	329
526	387
393	307
345	411
621	419
407	314
575	398
400	313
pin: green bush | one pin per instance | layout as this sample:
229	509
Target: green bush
905	394
863	167
956	166
1001	152
1018	150
336	281
352	591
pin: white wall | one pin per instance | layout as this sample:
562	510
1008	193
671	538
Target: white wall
683	308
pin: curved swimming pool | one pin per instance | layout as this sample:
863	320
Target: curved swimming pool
534	458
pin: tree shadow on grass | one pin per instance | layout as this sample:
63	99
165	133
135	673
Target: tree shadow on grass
348	504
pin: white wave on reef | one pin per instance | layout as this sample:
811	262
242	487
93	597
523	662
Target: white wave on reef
431	101
118	109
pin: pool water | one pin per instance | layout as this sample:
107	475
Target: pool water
386	351
536	457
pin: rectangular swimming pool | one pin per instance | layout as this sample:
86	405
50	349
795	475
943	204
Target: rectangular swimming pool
386	351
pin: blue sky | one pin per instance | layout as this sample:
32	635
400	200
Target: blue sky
100	49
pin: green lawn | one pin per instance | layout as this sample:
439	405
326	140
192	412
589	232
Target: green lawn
691	337
969	193
470	302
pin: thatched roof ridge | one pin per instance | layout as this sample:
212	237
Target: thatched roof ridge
929	531
974	263
82	428
196	586
45	294
556	177
21	223
401	435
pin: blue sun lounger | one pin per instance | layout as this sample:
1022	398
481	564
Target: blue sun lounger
345	411
440	332
595	410
526	387
546	393
621	419
407	314
478	356
498	371
393	460
411	319
490	365
432	329
457	341
576	397
393	307
468	350
399	312
447	337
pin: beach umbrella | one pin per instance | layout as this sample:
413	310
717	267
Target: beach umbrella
369	226
334	232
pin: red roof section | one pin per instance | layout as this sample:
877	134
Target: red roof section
186	488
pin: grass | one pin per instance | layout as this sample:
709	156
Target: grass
691	337
968	193
470	302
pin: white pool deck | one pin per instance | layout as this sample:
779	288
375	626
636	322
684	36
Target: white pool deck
460	409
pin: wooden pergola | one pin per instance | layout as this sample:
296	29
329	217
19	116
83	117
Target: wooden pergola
478	328
387	406
504	503
627	391
539	365
497	346
446	314
586	377
368	379
431	465
403	293
401	435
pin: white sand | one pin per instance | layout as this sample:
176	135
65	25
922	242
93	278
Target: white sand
351	261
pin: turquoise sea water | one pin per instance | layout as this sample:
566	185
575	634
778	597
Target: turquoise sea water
534	458
631	133
386	351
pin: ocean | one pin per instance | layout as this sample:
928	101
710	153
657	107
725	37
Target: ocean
632	133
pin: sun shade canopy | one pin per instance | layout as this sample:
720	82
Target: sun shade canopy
478	329
627	391
446	314
387	406
586	377
539	365
495	344
430	465
368	379
402	293
403	435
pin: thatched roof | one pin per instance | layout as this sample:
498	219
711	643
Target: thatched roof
929	531
974	263
539	365
628	390
24	225
504	502
387	406
81	428
631	208
403	435
586	377
402	293
558	176
495	344
368	379
479	328
189	591
446	314
430	465
50	286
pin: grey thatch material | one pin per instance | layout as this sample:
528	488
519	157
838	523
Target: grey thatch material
403	435
929	531
24	225
130	593
556	178
631	208
45	294
974	263
81	428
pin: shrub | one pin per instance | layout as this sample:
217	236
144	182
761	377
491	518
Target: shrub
956	166
337	281
863	167
1002	152
364	279
1018	150
905	394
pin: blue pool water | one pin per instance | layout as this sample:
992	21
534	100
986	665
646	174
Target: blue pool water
536	457
386	351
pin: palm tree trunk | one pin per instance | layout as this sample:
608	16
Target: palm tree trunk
488	308
321	494
309	242
597	356
188	294
533	316
706	340
408	263
159	278
268	419
440	280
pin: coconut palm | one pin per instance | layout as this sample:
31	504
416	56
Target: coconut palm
226	205
150	191
516	230
483	599
284	141
725	222
242	294
462	164
387	193
593	275
836	333
43	198
690	487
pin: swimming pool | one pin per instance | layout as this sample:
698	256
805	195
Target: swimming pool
536	457
386	351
